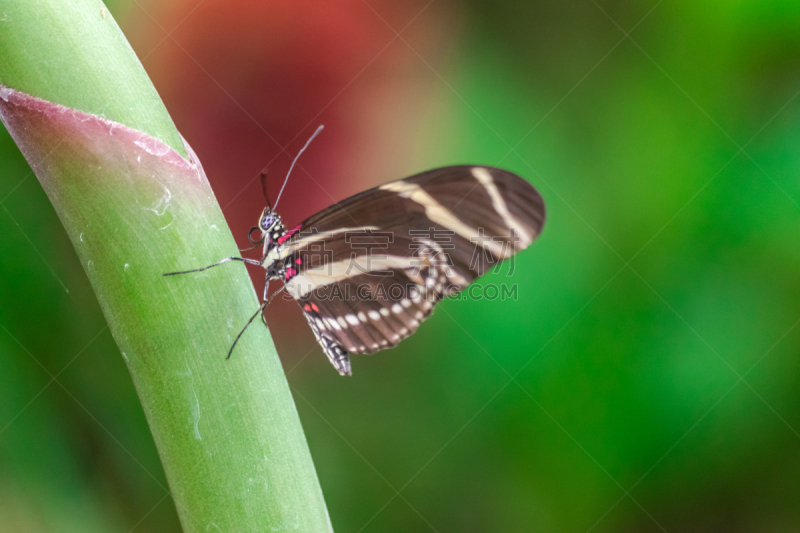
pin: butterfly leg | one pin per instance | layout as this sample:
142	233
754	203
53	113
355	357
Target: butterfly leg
244	260
239	336
264	299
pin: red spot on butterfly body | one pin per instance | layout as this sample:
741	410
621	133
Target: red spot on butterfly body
283	238
314	307
299	261
290	273
306	307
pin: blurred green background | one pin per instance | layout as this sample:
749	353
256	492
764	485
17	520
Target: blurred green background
645	380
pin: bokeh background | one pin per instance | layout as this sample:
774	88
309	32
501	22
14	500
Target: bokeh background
647	377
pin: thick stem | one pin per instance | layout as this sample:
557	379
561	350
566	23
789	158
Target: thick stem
227	431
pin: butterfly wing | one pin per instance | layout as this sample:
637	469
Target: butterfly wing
370	268
371	321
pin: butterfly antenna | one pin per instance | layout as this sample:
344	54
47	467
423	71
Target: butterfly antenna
303	149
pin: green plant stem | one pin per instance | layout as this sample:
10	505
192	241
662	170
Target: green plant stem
134	208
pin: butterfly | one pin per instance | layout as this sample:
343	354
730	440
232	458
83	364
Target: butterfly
368	270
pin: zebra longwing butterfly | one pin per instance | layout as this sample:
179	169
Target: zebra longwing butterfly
369	269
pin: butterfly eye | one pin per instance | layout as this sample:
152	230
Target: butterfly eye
267	222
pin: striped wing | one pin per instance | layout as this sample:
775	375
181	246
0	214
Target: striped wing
370	268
